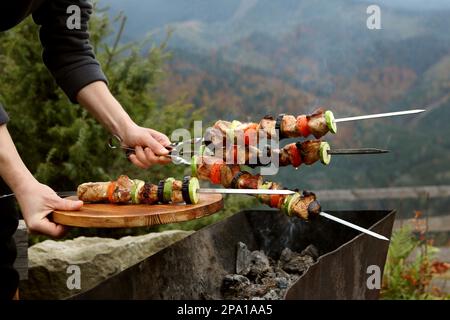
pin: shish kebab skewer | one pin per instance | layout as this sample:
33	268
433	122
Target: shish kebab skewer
125	190
304	206
319	123
295	154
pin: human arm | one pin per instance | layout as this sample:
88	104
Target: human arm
36	200
149	144
70	58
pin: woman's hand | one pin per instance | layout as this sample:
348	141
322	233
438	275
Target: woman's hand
148	143
149	146
36	202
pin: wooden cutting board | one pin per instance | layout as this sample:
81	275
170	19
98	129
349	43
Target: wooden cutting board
105	215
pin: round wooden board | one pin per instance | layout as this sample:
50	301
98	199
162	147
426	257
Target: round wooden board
105	215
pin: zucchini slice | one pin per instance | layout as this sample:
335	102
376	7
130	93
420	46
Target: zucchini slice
189	190
194	185
325	157
194	166
329	118
167	190
287	204
135	188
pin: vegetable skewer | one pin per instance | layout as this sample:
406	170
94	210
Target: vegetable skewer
318	123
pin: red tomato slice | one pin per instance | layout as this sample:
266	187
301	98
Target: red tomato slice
295	155
302	126
111	188
215	173
274	200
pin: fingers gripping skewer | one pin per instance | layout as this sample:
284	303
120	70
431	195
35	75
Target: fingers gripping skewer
115	142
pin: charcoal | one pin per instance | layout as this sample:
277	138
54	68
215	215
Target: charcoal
311	251
259	264
282	282
242	259
235	280
261	278
254	290
272	295
294	262
298	264
233	285
268	280
286	255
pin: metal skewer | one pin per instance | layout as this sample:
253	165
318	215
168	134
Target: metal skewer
354	226
244	191
379	115
335	151
357	151
61	194
201	190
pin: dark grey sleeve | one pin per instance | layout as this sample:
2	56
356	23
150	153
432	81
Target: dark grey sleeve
67	53
3	115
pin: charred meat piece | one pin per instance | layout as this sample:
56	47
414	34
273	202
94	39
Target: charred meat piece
122	190
303	206
317	124
249	181
226	176
176	196
289	127
148	194
206	166
267	124
177	185
93	191
309	151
